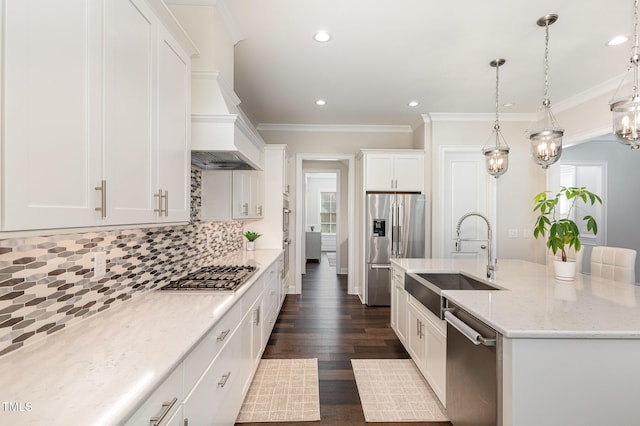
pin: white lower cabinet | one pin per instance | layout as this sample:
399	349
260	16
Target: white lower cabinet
163	403
216	400
399	308
436	359
427	345
416	343
209	385
422	333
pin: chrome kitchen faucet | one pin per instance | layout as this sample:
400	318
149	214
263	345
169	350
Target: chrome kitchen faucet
491	266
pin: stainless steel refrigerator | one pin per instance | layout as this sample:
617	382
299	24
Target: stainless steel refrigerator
395	228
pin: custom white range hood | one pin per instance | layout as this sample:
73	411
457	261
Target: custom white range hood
221	135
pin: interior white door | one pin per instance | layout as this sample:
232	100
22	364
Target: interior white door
465	187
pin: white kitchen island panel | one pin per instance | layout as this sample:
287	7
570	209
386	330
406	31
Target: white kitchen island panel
570	350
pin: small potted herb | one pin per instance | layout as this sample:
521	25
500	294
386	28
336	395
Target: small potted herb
560	230
251	238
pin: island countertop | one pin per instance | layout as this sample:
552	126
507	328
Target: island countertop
533	304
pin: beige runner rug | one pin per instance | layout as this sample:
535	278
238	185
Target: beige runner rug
283	390
393	390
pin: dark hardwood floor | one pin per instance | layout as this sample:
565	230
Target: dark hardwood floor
326	323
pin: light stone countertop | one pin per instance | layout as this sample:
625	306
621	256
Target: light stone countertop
534	304
98	371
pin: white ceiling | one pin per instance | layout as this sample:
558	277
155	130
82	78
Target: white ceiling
385	53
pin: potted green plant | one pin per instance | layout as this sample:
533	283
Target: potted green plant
561	230
251	238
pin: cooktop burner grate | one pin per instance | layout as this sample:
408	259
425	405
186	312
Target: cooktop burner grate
214	278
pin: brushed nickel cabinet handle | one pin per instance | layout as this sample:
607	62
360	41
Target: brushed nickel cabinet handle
159	196
223	335
223	379
166	203
167	406
103	198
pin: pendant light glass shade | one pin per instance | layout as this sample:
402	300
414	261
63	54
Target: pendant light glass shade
546	143
497	156
626	111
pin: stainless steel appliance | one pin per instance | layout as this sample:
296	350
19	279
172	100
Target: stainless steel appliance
286	242
214	278
395	228
474	370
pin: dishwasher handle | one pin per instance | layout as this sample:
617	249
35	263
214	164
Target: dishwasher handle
468	332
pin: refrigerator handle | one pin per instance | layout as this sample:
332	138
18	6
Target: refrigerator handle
394	234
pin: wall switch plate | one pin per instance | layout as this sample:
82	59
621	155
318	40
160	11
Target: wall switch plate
513	233
99	264
527	233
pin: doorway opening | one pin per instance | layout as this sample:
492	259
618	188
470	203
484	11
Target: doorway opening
322	213
323	224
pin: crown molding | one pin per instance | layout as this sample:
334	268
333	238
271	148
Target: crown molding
480	117
229	19
609	86
334	128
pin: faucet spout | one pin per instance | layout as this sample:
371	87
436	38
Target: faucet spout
491	266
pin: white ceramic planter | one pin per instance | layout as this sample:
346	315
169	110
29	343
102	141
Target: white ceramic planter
565	271
251	245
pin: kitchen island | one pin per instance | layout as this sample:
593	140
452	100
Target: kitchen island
103	369
570	350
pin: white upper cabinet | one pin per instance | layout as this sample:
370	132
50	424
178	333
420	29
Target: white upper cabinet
174	125
95	115
232	195
393	170
248	194
51	113
128	114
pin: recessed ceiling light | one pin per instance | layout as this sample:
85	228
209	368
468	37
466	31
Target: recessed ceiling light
322	37
321	102
617	40
413	103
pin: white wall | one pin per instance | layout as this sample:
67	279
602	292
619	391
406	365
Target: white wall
514	190
316	183
205	26
620	195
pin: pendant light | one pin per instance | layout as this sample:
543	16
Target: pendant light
497	156
546	143
626	111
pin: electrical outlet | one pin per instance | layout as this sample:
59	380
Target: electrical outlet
513	233
99	264
527	233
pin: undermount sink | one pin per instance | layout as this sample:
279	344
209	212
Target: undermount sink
427	288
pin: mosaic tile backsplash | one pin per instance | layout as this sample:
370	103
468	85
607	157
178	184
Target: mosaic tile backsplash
47	283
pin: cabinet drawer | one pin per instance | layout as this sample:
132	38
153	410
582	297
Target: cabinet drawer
199	359
216	399
252	294
170	391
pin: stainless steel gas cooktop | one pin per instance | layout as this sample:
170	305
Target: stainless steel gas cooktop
214	278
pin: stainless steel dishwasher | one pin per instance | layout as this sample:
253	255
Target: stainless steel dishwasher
474	370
